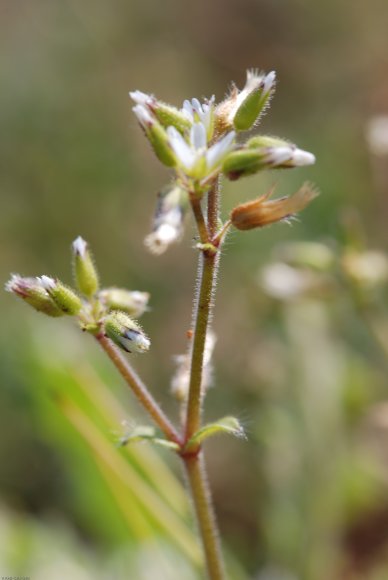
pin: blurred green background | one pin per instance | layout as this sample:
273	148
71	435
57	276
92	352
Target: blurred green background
306	497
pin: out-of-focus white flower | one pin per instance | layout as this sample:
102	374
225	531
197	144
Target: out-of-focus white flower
377	135
166	233
168	222
369	269
181	378
284	282
132	302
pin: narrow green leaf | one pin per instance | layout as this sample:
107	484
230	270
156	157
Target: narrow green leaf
147	433
229	425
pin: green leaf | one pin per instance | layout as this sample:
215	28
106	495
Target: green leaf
229	425
147	433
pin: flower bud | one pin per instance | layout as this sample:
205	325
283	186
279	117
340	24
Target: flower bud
167	115
156	135
168	219
263	211
242	109
63	296
84	270
126	333
32	291
133	303
263	152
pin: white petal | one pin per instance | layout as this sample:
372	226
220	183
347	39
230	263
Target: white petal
79	246
219	149
301	158
198	136
187	110
140	98
269	81
135	341
279	155
144	116
184	153
196	106
47	282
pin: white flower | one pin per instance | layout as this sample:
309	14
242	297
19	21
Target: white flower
195	156
168	230
181	379
377	135
195	111
285	282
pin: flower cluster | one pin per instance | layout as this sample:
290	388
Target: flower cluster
108	311
199	141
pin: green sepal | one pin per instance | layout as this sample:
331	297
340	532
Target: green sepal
229	425
243	162
65	298
169	116
250	110
147	433
266	141
85	272
158	138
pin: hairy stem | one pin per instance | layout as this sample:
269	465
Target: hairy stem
139	389
207	275
213	204
196	474
199	219
194	462
208	267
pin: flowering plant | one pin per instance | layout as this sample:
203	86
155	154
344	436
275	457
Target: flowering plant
200	143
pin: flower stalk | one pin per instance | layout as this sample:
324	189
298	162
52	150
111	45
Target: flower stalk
139	389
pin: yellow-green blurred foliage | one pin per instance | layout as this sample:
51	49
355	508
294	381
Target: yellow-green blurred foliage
306	496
